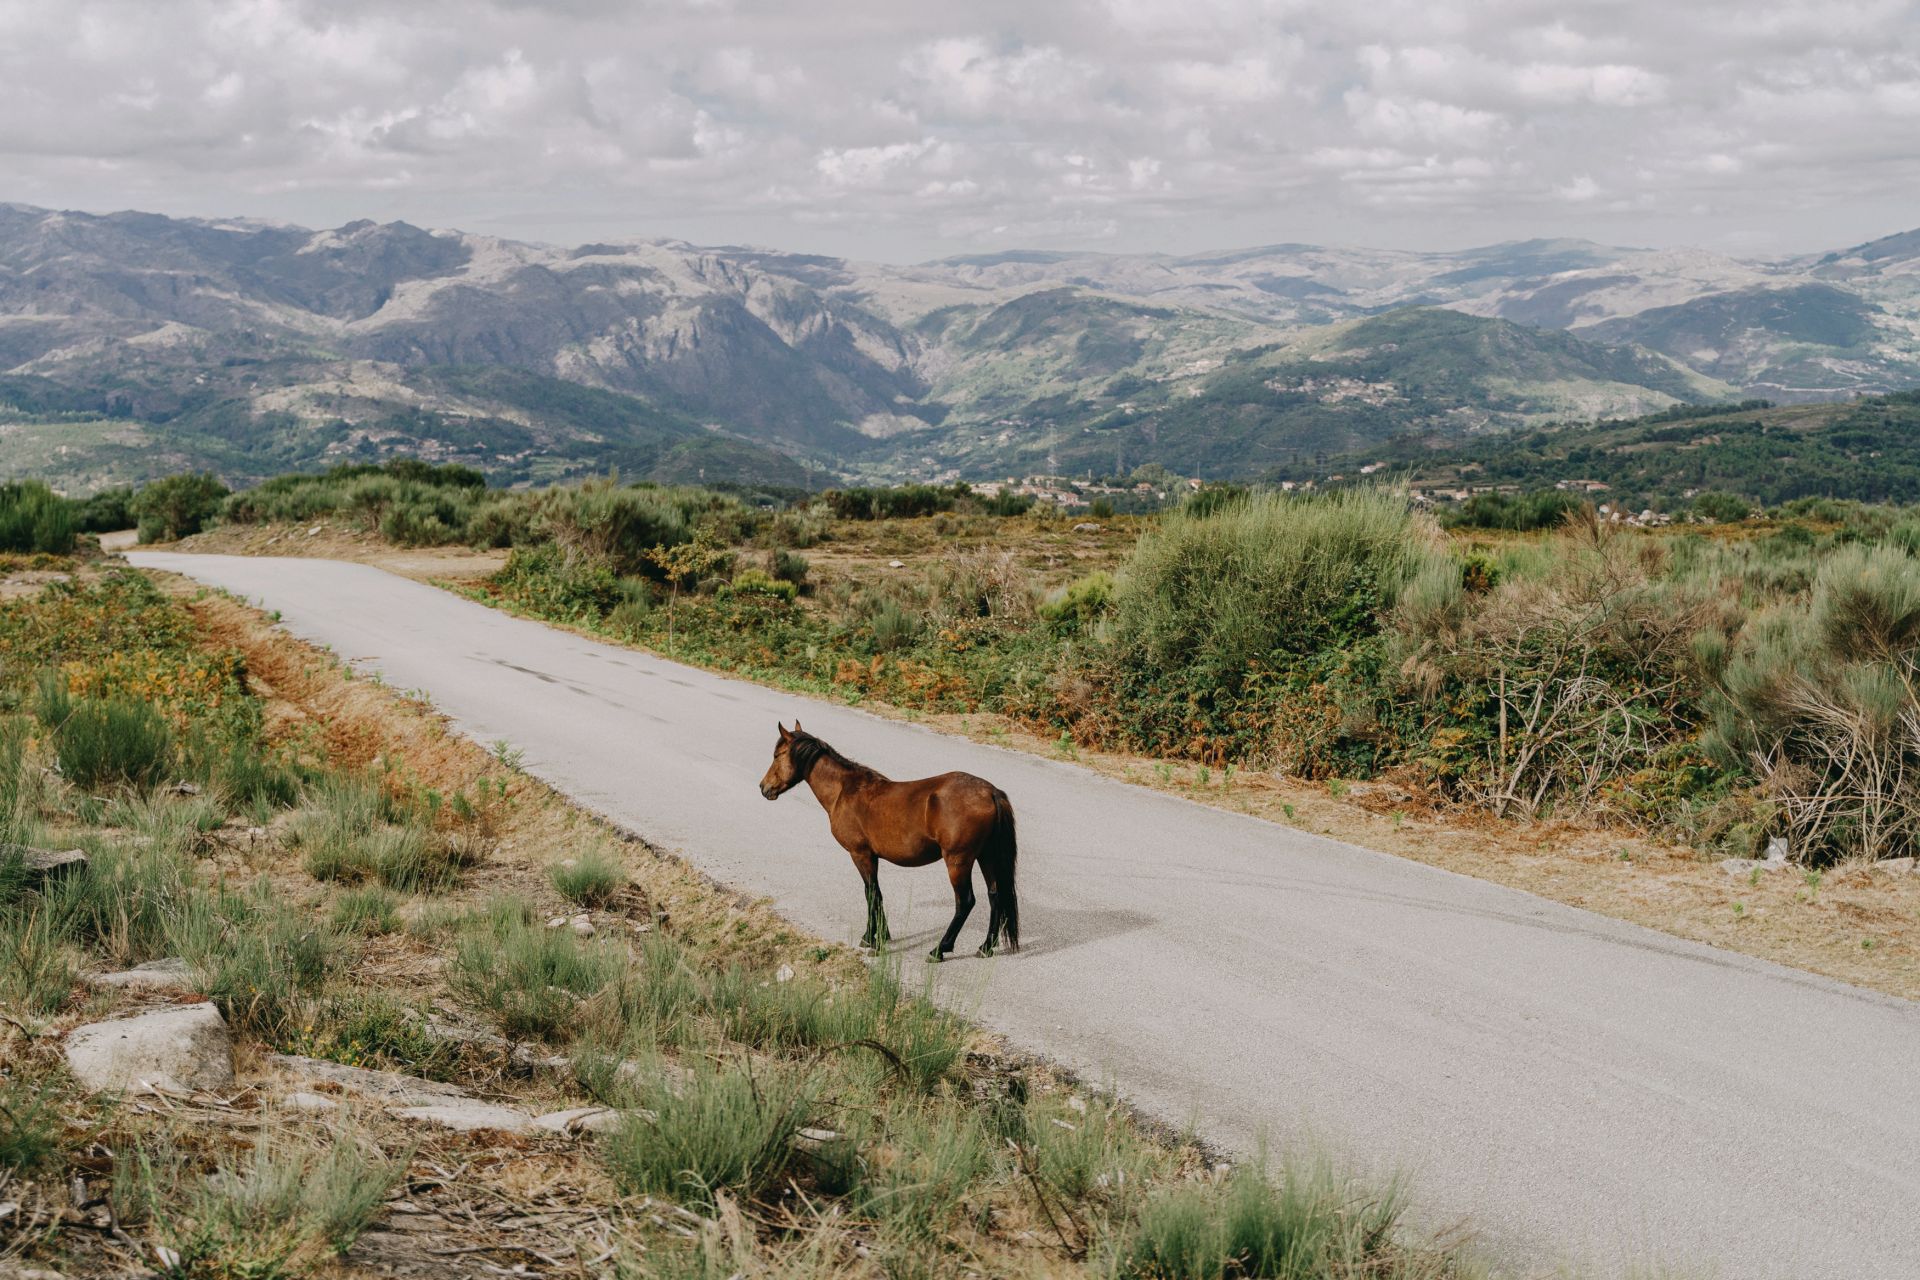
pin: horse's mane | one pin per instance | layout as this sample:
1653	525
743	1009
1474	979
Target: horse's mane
805	751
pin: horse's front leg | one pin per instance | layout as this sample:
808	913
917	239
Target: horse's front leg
869	869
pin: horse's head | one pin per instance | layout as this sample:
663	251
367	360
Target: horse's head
785	772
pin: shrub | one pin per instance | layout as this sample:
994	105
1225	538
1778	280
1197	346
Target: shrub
259	959
29	1126
1817	698
602	524
756	582
1521	513
715	1128
106	511
102	742
894	503
1721	508
1076	607
177	506
33	518
369	910
1305	1226
788	566
532	980
1209	609
592	879
541	578
280	1210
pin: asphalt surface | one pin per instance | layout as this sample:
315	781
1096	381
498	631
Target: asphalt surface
1582	1092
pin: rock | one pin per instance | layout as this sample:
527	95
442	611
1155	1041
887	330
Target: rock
389	1086
558	922
1747	866
580	1120
1777	849
783	974
817	1137
896	564
156	975
14	1271
467	1116
582	926
45	864
184	1049
1087	528
301	1100
1896	866
312	531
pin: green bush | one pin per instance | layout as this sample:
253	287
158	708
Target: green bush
105	742
592	879
532	980
1818	698
1076	607
177	506
713	1128
33	518
1210	609
1721	508
282	1209
788	566
1306	1226
1521	513
106	511
757	582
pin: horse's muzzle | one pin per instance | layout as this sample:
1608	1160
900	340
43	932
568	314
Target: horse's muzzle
771	793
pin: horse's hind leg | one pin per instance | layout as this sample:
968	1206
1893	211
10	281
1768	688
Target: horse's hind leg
994	913
960	875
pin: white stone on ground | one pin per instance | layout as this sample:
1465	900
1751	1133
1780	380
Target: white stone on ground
467	1116
388	1086
301	1100
165	975
580	1120
184	1049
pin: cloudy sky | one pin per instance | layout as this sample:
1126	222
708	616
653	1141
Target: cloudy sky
906	129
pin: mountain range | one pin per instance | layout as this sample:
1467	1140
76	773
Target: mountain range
132	344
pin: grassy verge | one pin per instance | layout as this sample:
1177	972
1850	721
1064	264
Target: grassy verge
349	882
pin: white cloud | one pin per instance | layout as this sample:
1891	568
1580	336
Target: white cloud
907	128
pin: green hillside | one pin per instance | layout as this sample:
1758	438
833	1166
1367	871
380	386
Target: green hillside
1867	449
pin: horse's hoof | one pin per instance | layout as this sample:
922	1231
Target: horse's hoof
935	956
985	952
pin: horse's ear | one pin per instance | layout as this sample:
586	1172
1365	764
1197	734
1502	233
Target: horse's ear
796	727
785	735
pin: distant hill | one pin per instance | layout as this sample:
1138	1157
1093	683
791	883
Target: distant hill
1867	450
131	343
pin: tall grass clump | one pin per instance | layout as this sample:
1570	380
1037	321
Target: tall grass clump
532	981
1820	699
283	1209
106	741
716	1127
33	518
592	878
1215	612
1306	1225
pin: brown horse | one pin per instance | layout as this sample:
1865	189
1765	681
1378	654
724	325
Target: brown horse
956	818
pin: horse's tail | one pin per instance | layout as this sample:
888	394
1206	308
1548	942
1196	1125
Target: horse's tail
1000	855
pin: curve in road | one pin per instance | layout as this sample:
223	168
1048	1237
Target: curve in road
1580	1090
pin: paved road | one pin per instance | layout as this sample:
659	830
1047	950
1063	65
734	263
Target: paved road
1582	1090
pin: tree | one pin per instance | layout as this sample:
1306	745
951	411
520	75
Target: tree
177	506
